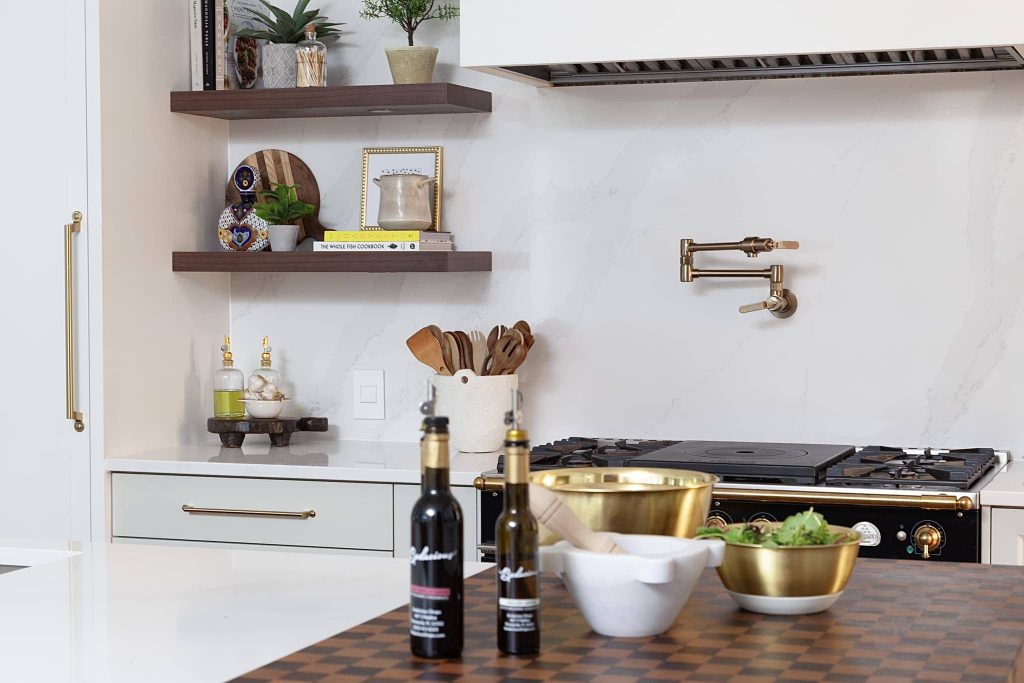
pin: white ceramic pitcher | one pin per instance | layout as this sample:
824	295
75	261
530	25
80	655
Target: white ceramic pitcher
404	201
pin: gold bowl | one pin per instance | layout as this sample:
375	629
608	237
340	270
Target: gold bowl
632	500
812	570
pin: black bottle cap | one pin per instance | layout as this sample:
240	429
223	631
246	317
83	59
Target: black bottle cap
435	424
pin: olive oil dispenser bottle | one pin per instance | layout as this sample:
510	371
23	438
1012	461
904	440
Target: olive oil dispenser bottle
228	387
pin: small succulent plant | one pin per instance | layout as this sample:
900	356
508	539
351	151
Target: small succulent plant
409	14
290	28
281	205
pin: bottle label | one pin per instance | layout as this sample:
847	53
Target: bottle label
426	613
506	574
430	607
518	615
425	555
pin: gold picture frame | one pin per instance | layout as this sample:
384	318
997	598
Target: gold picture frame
372	168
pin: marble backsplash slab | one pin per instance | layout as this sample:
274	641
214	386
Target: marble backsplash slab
906	193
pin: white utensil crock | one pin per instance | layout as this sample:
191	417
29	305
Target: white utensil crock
475	407
638	594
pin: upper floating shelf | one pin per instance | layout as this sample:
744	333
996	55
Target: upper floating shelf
331	262
345	100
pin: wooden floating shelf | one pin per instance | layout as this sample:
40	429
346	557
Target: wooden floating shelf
345	100
320	262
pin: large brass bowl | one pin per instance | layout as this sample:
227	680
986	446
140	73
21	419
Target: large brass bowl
632	500
789	571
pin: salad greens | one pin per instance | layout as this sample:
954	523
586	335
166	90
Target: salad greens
802	529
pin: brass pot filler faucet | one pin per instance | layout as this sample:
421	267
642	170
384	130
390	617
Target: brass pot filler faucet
780	302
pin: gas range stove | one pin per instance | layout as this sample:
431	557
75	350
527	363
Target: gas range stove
908	503
881	467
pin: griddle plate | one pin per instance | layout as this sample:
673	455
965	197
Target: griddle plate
786	463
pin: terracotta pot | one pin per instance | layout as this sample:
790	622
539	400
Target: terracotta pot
279	68
411	64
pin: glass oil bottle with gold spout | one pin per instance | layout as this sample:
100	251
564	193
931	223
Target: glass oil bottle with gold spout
516	534
265	377
228	386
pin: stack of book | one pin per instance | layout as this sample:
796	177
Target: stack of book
385	240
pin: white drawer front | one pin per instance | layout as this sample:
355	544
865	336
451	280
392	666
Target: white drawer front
348	515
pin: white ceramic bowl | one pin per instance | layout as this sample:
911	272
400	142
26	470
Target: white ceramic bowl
264	409
638	594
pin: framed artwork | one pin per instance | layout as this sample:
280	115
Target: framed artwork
380	161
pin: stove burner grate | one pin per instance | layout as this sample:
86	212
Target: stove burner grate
912	468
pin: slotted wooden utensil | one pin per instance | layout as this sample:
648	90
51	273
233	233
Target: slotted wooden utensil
524	327
427	350
509	353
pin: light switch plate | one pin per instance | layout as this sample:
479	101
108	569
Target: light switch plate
368	394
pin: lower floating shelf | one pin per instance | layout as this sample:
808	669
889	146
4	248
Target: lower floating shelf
319	262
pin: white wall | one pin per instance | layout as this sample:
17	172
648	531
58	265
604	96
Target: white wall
160	178
906	193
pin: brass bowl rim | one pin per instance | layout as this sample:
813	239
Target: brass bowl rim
855	538
709	479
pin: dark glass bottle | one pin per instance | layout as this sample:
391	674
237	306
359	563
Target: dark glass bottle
435	596
516	534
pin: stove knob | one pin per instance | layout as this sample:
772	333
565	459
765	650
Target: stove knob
901	535
927	538
716	522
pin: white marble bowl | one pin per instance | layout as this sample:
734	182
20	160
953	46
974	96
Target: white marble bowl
263	409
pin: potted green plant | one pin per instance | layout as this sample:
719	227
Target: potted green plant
281	209
283	31
412	64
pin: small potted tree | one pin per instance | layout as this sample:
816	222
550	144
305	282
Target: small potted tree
281	209
282	33
412	64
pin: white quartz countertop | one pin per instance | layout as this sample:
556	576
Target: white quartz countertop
152	613
373	461
1007	488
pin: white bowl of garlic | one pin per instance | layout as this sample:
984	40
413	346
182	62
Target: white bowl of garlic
263	399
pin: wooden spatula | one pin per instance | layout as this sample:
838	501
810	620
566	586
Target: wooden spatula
452	346
427	351
465	349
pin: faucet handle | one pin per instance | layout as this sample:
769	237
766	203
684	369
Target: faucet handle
780	305
754	308
783	244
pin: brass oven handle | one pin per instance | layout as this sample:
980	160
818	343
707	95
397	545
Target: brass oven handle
302	514
70	229
489	484
935	502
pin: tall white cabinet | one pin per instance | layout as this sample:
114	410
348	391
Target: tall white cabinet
44	461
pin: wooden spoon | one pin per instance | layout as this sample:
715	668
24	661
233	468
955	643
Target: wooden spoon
466	349
427	351
509	352
453	351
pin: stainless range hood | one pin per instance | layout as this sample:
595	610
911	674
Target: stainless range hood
596	42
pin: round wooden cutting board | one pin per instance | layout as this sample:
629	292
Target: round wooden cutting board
278	166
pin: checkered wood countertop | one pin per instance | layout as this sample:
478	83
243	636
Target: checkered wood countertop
897	621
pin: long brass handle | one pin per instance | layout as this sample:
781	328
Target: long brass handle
932	502
70	229
302	514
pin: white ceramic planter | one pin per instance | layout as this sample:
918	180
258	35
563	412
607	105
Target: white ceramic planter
475	407
411	64
638	594
279	67
283	237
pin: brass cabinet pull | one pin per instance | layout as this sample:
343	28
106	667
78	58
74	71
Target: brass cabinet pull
303	514
70	229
